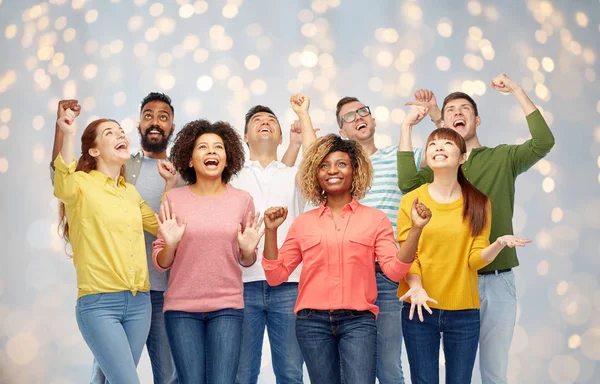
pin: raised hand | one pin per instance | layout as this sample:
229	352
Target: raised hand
249	238
419	214
512	241
66	122
168	227
295	133
300	104
424	98
275	216
167	171
71	104
418	298
415	114
504	83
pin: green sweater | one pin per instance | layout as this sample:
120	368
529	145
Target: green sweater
494	172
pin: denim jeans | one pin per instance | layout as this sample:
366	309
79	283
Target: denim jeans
205	345
115	326
498	298
272	307
336	341
389	332
163	367
460	330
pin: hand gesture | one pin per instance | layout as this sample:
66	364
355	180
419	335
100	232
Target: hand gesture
415	114
418	298
512	241
419	214
249	238
63	105
300	104
275	216
167	171
66	122
168	227
424	98
504	83
296	133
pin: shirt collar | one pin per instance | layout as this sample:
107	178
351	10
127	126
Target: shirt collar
351	206
102	178
255	163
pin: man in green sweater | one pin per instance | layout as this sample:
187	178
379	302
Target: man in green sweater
493	171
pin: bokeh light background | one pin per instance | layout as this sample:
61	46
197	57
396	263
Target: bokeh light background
218	58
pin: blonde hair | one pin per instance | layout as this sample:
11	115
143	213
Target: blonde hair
362	170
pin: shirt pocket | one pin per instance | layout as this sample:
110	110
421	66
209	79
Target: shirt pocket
312	251
362	250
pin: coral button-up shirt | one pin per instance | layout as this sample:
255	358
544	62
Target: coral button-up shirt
338	269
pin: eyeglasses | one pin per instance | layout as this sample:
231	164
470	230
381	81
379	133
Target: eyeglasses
351	116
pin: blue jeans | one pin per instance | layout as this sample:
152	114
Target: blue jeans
460	330
163	367
205	345
336	341
498	298
389	332
272	307
115	326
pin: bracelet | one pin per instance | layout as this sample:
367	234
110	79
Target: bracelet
436	122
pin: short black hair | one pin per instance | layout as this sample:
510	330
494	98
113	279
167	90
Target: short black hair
258	109
460	95
157	96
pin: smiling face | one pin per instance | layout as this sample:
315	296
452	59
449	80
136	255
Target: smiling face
111	145
263	127
209	157
335	174
445	150
156	126
460	115
362	128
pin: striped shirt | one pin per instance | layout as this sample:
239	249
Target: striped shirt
384	193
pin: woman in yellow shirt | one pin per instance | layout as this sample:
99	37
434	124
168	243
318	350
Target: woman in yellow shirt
452	247
104	218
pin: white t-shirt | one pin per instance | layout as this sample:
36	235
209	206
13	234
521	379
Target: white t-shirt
273	186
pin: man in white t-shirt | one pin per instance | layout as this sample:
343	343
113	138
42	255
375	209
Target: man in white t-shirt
356	122
271	184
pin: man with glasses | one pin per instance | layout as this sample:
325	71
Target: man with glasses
356	123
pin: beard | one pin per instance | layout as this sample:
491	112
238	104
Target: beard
150	145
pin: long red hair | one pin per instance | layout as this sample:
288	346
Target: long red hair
86	163
474	201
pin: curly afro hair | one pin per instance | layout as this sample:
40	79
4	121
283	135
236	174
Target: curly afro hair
183	148
362	170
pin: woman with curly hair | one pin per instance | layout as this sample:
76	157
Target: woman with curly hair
338	243
219	232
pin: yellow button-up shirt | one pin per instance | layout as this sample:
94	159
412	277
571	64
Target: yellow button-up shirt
106	228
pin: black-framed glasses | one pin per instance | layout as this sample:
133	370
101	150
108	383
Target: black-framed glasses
351	116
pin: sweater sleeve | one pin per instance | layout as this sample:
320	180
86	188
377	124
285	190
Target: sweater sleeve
408	176
525	155
403	227
480	242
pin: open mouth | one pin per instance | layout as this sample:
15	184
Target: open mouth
439	157
361	126
334	180
264	128
121	146
459	123
211	163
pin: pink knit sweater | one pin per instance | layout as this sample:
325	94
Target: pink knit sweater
205	274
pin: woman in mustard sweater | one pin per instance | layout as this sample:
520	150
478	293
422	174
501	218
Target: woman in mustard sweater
452	247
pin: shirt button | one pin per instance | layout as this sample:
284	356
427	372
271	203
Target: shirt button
131	271
133	175
128	225
125	211
131	255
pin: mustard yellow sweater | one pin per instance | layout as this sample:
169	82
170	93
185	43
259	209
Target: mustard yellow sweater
448	256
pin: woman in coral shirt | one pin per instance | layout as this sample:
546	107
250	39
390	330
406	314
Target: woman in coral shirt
338	243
